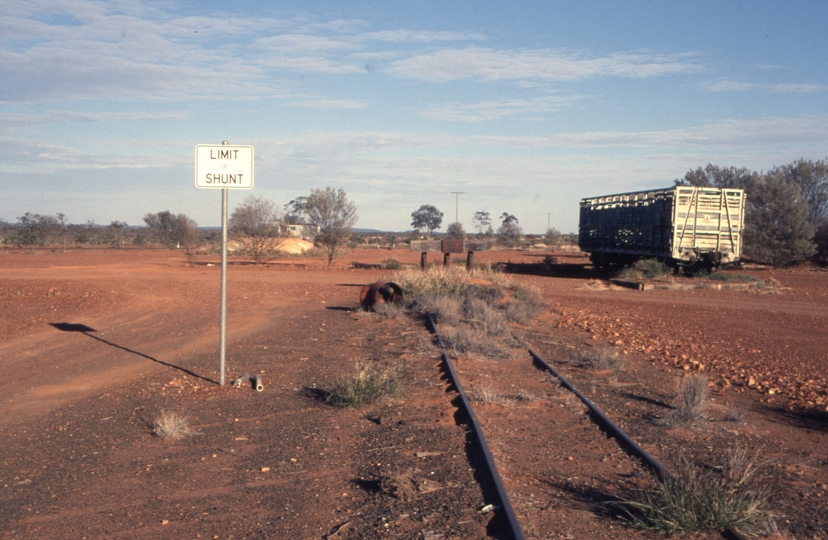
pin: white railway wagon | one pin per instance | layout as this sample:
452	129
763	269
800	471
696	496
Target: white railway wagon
681	225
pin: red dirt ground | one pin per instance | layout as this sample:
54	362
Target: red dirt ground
79	459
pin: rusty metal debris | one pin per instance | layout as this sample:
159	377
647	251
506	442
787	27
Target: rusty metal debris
380	292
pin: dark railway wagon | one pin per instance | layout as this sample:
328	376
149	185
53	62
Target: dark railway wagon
681	225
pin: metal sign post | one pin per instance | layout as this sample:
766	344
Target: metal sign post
223	167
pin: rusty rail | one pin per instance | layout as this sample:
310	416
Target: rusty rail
505	504
661	472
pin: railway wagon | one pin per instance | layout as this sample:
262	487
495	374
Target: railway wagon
682	226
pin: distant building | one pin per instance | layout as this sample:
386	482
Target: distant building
307	232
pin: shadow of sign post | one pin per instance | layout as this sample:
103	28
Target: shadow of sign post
87	331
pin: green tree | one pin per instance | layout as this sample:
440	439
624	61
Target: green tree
255	222
482	221
509	232
455	230
821	240
38	230
427	217
812	179
334	215
777	228
719	177
785	206
117	230
553	238
174	231
162	227
295	213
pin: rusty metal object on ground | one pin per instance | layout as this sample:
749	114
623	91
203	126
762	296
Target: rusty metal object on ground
380	292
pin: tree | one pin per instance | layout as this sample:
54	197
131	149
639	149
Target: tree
553	238
785	207
116	231
821	240
427	217
777	228
174	231
38	230
334	215
812	179
455	230
715	176
256	223
295	211
482	221
509	232
162	227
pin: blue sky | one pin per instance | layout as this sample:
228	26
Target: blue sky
525	107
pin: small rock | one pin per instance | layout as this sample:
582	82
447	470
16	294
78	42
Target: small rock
265	469
165	521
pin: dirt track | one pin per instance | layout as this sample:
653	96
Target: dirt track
154	345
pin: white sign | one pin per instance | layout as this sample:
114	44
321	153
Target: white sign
219	166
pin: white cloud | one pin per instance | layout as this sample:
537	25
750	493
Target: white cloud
798	88
492	110
735	133
417	36
784	88
729	86
322	103
545	64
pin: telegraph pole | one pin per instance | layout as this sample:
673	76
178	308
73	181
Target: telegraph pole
457	205
548	220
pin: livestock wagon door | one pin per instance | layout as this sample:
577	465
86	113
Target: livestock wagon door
704	221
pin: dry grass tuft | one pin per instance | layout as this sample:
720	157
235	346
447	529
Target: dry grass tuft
389	310
597	358
443	308
699	499
171	425
644	268
487	396
482	315
466	340
690	403
735	414
443	280
368	383
522	312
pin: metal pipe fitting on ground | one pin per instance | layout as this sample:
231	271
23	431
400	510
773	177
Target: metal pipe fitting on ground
241	380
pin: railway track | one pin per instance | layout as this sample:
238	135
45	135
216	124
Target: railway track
503	504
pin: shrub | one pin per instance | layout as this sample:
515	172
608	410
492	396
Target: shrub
170	425
447	280
700	499
702	273
391	264
735	414
367	384
389	310
443	308
522	312
599	358
690	402
466	340
644	268
482	315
